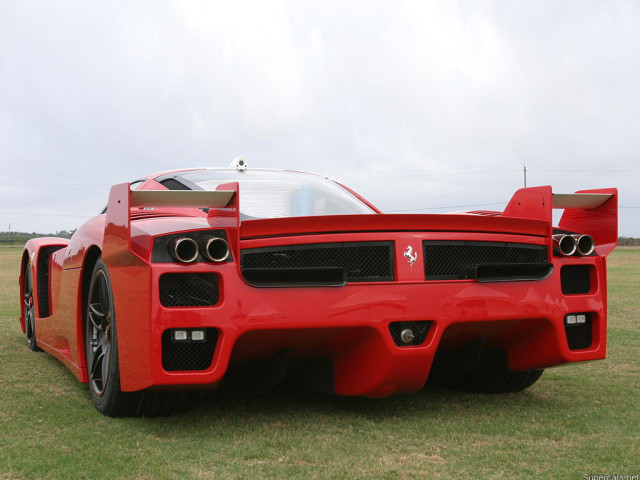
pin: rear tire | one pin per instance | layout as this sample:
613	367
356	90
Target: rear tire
103	366
493	376
29	311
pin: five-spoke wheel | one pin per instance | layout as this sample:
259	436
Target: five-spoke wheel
101	346
99	338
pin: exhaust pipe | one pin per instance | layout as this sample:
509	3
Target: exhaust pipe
585	243
565	244
215	249
183	249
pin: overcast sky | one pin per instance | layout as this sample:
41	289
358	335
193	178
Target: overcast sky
419	106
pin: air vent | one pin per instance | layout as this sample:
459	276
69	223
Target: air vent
455	260
188	355
579	335
575	279
189	289
417	333
317	264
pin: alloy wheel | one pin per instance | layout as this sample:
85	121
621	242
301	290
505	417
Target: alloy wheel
100	312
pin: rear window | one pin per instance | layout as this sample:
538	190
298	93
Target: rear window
275	194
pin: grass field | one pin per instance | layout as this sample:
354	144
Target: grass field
577	420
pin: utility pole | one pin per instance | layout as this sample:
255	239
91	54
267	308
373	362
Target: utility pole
9	229
525	176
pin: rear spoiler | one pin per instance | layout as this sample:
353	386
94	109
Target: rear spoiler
181	198
580	200
117	236
592	212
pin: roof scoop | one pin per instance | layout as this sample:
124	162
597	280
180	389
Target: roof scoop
240	164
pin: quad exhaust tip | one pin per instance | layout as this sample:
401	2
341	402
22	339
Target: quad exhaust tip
570	244
585	243
215	249
565	244
183	249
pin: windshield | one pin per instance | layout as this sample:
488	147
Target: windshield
274	194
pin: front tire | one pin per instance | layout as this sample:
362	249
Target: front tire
29	311
103	365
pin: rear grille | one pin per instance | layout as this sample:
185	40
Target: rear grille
350	262
575	279
180	356
579	336
189	289
454	260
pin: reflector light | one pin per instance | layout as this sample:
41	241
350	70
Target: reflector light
197	335
407	335
571	319
180	335
581	318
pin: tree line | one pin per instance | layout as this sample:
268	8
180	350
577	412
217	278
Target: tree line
628	242
11	238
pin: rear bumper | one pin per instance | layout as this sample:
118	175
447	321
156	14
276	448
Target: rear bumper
350	325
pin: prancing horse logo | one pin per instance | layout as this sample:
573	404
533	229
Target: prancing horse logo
410	255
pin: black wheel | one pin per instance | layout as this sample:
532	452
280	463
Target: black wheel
101	348
492	376
30	311
101	345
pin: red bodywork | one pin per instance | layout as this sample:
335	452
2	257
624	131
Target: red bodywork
347	324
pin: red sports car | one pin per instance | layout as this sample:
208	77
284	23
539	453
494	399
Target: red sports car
192	276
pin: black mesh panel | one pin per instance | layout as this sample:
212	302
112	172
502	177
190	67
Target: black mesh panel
420	331
44	259
180	356
452	260
575	279
188	289
579	336
361	262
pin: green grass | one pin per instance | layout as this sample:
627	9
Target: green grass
580	419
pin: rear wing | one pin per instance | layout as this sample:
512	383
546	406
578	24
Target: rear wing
117	233
592	212
181	198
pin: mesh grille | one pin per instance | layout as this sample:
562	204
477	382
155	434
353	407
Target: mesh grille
420	330
579	336
575	279
188	289
362	261
188	355
44	259
454	260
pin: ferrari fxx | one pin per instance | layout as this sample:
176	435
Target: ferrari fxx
191	277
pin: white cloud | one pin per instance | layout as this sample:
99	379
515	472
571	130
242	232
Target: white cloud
416	103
